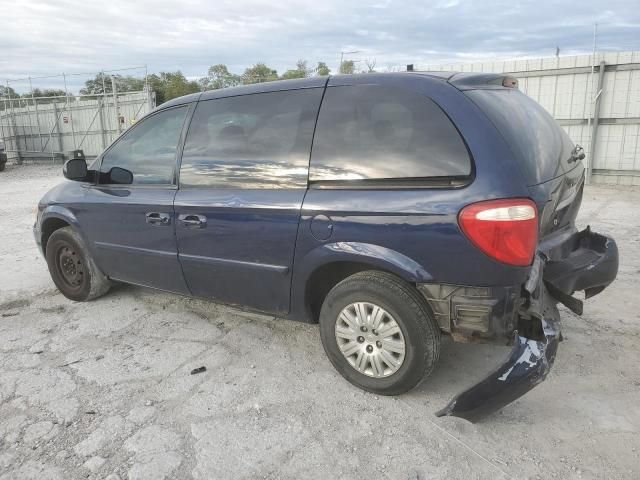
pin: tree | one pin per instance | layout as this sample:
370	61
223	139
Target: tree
301	71
301	66
259	73
322	69
46	92
8	92
168	85
218	77
347	67
97	86
127	83
371	64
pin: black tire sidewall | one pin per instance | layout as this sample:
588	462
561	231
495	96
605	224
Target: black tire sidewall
418	359
58	239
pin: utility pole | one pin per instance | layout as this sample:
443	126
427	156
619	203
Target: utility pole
114	90
592	98
35	106
66	94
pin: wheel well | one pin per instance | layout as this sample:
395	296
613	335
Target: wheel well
49	226
325	278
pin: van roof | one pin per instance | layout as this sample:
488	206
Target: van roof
462	81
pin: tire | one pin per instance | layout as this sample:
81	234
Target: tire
402	304
72	269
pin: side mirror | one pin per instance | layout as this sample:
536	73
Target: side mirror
120	175
75	169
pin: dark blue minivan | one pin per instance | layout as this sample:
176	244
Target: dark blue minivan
390	208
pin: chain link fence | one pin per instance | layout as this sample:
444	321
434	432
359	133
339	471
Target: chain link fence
50	128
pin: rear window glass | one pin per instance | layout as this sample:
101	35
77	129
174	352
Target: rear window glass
539	144
370	132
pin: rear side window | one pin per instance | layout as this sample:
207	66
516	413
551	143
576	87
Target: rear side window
539	144
251	141
369	132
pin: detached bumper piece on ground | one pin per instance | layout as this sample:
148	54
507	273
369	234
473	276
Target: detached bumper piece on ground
585	261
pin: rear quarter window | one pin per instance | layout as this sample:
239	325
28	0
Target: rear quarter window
539	144
370	132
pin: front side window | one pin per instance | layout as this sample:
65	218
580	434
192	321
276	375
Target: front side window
370	132
251	141
148	150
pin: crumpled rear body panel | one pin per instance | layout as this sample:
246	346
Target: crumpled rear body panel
527	365
589	261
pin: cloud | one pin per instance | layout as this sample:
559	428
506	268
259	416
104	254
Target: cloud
40	37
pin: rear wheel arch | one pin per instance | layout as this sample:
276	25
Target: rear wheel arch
326	276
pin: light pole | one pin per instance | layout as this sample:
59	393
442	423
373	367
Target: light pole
342	54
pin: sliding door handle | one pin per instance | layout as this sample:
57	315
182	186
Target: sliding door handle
158	218
191	220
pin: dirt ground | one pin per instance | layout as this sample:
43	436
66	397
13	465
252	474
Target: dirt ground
104	390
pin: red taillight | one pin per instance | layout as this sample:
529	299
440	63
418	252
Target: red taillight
506	230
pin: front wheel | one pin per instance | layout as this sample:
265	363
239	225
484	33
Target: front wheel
72	268
379	333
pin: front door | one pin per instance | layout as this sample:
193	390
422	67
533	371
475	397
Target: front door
131	227
243	178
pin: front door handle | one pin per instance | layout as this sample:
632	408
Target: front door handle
192	220
158	218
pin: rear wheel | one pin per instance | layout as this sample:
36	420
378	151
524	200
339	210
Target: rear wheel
72	268
379	333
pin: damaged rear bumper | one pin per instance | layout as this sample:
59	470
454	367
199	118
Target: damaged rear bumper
581	261
527	365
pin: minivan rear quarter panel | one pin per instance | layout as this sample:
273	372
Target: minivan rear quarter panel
419	224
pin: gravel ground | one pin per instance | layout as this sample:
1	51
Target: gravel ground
104	390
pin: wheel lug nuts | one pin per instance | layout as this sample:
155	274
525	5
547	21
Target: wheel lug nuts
360	339
379	344
374	331
369	349
363	328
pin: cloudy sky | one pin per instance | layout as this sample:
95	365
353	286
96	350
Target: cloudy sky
41	37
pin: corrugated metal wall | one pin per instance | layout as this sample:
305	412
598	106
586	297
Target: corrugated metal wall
52	127
566	88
